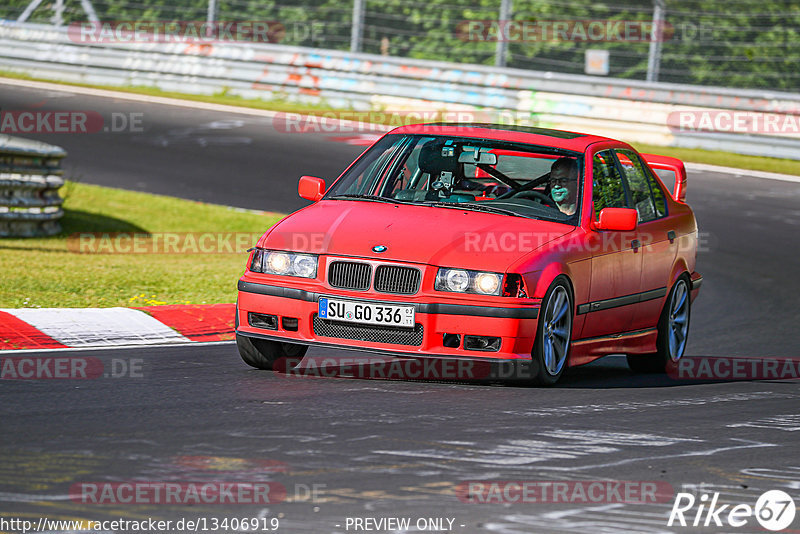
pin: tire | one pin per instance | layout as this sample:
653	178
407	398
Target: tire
262	353
673	332
554	333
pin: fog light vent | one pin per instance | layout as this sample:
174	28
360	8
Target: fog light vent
482	343
289	323
452	341
259	320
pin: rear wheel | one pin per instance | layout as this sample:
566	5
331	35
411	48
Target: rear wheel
262	353
551	348
673	331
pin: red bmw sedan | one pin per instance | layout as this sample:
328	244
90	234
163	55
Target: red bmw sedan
481	242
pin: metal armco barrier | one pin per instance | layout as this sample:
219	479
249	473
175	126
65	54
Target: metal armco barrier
30	176
631	110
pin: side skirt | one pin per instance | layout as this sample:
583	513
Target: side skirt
587	350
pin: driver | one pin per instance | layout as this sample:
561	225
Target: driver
564	184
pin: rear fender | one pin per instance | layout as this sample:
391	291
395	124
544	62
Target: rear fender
678	269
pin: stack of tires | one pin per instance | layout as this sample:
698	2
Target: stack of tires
30	176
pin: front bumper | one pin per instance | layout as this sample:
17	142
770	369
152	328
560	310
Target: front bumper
696	282
514	323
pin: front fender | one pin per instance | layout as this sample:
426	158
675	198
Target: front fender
568	256
539	281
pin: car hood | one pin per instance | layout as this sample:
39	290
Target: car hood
416	234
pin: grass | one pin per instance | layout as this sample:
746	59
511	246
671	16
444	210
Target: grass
726	159
46	272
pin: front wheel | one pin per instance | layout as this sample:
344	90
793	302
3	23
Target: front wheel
262	353
551	348
673	331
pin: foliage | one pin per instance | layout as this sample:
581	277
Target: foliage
733	43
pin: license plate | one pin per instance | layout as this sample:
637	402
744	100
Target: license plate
366	312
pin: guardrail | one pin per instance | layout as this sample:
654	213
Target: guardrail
30	176
631	110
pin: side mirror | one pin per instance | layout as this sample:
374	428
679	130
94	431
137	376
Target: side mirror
617	219
311	188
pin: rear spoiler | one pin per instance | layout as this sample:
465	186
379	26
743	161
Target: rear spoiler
673	166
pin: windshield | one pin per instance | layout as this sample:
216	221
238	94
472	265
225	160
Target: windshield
457	172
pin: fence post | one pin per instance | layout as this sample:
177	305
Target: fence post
211	16
89	10
58	13
502	31
656	36
28	10
357	29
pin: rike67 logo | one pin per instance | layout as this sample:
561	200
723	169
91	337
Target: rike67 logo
774	510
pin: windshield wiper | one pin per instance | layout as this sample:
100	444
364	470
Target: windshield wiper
373	198
474	207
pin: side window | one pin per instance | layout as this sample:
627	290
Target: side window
408	177
658	194
370	173
639	180
607	189
668	177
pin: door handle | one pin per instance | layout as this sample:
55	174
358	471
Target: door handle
635	244
671	236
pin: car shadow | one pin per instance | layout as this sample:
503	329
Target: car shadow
612	372
74	224
77	221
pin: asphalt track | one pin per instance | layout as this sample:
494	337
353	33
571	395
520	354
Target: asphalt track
241	160
398	448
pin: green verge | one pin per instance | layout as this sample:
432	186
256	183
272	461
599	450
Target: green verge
49	272
725	159
696	155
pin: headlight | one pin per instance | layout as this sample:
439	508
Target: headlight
456	280
305	266
278	263
284	263
463	281
487	283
